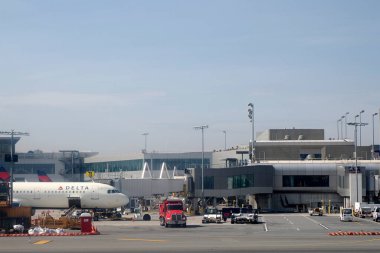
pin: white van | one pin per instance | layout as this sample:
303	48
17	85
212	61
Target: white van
346	214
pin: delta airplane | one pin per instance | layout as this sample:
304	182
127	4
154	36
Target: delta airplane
47	194
87	195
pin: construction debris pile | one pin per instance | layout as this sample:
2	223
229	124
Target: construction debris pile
66	221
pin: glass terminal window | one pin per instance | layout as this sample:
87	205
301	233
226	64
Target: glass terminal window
305	181
240	181
208	182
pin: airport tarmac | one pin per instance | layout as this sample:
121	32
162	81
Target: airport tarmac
274	233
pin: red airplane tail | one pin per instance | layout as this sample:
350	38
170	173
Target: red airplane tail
4	175
43	177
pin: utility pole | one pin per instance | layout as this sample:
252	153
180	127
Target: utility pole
360	126
145	147
225	139
345	125
373	135
337	127
13	157
251	116
203	127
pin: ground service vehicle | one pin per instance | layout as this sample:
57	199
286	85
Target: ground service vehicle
101	213
227	212
245	216
376	214
171	213
212	215
316	211
365	211
346	214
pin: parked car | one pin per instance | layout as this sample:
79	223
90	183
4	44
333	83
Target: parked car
250	216
212	215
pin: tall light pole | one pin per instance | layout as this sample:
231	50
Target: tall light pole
251	116
12	133
337	127
345	125
145	147
360	127
225	139
203	127
373	135
355	124
341	127
356	116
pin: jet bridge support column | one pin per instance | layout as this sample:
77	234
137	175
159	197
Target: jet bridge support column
269	201
355	188
195	206
214	202
252	200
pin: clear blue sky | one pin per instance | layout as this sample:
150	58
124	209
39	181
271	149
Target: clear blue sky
95	75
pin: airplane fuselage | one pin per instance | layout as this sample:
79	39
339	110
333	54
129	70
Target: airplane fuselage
65	194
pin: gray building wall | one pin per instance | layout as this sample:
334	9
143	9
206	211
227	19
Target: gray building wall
298	150
263	181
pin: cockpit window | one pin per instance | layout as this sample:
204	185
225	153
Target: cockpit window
112	191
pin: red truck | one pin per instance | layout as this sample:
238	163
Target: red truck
171	213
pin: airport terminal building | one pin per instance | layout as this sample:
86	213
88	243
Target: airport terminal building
294	169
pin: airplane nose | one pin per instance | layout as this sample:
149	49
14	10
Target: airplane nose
124	200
